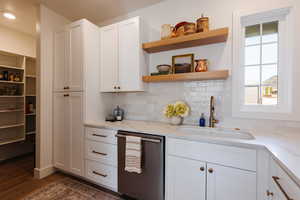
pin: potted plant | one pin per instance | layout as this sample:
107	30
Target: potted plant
176	112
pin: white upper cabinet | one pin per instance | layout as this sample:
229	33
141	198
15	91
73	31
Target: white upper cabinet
68	59
75	65
60	60
122	58
109	58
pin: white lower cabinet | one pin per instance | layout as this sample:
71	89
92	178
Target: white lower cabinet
68	132
226	183
101	157
186	179
281	186
193	177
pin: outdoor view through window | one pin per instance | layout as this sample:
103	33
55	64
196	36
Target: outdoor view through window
261	64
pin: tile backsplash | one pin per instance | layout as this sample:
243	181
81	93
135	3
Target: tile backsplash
149	105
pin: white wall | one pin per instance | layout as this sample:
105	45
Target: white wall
49	22
17	42
220	57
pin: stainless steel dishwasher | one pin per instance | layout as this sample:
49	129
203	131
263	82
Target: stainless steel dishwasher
149	185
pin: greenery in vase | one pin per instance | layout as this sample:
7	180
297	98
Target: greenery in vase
178	109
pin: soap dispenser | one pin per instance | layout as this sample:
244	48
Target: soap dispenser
202	120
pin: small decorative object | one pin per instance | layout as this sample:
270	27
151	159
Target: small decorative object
5	75
202	65
11	77
176	112
1	76
189	28
164	68
166	31
118	113
17	77
202	120
183	63
202	24
179	29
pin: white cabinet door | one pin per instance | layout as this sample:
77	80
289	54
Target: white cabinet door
225	183
75	61
60	133
109	58
60	61
186	179
75	102
129	55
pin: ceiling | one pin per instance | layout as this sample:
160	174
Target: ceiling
93	10
25	11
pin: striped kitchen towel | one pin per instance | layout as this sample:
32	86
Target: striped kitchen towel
133	154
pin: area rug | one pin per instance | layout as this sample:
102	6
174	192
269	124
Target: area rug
69	189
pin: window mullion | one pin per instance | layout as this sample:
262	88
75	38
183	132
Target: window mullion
260	67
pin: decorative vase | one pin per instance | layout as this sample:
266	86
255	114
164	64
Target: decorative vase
176	120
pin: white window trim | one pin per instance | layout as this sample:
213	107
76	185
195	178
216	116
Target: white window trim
284	109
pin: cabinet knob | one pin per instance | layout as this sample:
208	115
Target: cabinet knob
115	87
119	87
202	169
210	170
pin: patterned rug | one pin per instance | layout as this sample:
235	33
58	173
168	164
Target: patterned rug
69	189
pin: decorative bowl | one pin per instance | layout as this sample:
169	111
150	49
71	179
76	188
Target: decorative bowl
163	68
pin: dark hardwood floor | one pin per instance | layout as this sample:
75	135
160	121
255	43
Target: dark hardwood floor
16	178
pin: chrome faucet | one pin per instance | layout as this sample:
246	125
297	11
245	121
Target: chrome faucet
212	120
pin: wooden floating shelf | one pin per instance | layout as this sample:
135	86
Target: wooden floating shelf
11	67
12	96
197	39
9	141
193	76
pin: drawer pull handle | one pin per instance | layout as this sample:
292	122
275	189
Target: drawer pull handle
96	152
66	95
99	174
66	88
97	135
276	180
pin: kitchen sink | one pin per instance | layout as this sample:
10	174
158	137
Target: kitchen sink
216	132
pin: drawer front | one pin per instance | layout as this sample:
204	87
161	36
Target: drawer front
106	175
101	135
241	158
101	152
281	183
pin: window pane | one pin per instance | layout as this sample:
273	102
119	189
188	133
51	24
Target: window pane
252	75
269	75
252	55
270	32
269	53
269	95
252	34
251	95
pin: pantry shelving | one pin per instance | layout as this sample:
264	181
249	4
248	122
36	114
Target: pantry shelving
17	80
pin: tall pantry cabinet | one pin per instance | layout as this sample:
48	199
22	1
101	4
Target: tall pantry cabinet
76	57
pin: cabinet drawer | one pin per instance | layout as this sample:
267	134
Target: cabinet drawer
279	178
106	175
102	152
219	154
101	135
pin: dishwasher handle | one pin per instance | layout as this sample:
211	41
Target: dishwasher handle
142	138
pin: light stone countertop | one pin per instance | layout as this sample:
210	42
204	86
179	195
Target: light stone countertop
283	145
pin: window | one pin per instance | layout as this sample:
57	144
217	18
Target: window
262	63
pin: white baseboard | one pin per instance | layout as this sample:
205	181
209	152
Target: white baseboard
44	172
